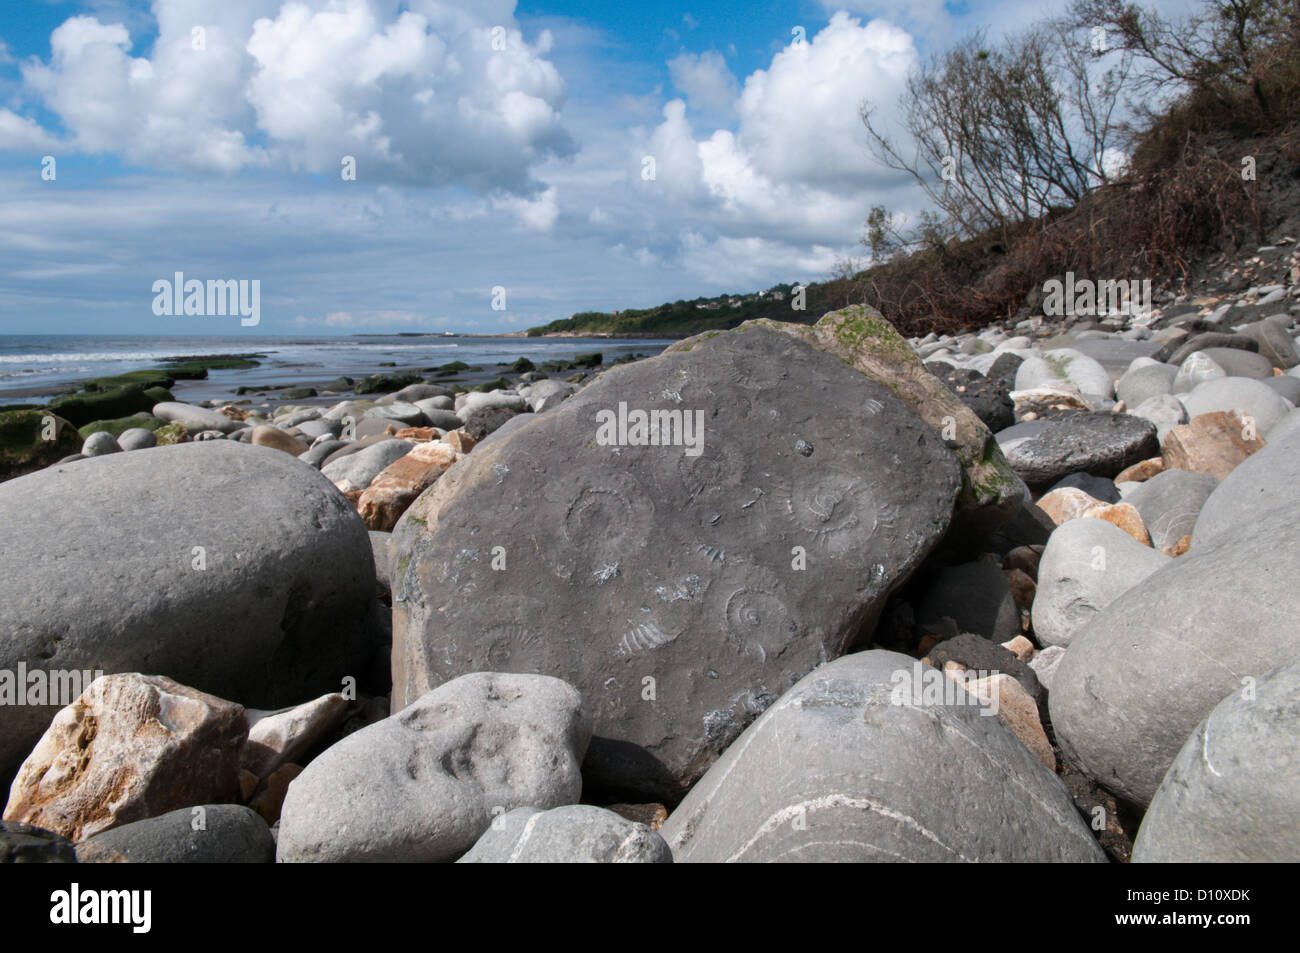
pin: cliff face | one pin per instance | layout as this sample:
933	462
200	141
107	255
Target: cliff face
1147	227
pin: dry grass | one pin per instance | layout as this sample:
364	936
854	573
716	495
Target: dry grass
1183	195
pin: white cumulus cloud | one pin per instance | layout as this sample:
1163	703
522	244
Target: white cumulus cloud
797	163
705	79
428	92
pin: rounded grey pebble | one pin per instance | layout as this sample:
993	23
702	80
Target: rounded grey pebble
137	438
211	834
99	444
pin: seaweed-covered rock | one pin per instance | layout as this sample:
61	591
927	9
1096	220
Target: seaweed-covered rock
88	406
32	439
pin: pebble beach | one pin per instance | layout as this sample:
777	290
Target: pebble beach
988	597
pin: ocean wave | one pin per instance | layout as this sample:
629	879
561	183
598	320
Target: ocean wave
391	346
83	357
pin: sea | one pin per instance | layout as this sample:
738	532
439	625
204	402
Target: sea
36	367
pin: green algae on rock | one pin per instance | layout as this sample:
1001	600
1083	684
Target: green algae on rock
33	439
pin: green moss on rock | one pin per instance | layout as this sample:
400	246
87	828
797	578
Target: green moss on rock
122	424
171	433
88	406
857	328
385	383
33	439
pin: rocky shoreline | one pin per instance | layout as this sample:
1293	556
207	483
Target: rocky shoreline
1022	594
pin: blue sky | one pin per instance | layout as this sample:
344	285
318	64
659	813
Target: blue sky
496	145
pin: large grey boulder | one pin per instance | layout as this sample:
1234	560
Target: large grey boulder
294	416
1238	363
424	785
348	411
466	404
1114	354
440	417
319	451
1233	793
1165	411
1285	385
1170	502
680	588
1145	381
356	470
319	427
194	418
1176	353
1275	344
1087	565
399	411
1258	498
443	420
1067	365
1239	393
482	421
873	758
212	834
546	394
1196	369
1043	451
1285	427
991	494
232	568
1143	673
574	834
412	393
351	446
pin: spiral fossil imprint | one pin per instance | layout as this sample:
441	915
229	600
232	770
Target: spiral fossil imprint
837	509
603	527
717	469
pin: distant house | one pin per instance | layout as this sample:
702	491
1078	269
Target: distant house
778	295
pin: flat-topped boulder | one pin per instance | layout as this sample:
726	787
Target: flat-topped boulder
681	586
195	419
1103	444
